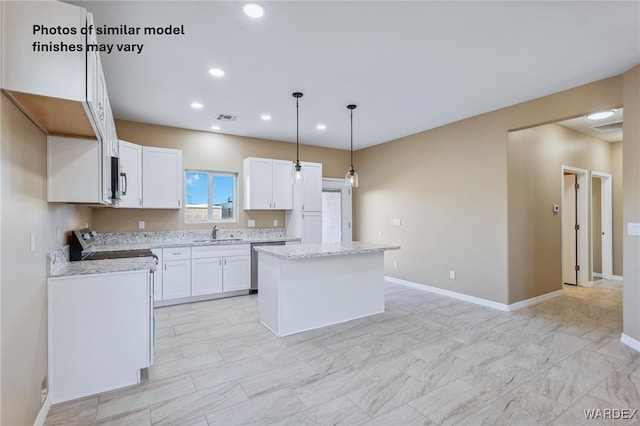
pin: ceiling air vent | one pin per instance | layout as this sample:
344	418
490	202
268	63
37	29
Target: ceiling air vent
226	117
609	128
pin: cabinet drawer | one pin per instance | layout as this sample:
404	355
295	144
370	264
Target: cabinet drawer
176	253
220	250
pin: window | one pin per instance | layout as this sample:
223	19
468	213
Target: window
210	197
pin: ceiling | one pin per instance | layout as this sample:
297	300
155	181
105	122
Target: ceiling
608	129
409	66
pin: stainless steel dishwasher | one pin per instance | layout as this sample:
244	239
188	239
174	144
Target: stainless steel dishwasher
254	262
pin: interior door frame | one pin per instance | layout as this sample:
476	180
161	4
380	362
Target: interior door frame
606	218
582	203
336	184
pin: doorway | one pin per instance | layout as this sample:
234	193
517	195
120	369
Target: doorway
574	210
336	211
602	225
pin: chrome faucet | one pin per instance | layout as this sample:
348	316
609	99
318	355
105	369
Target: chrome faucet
214	232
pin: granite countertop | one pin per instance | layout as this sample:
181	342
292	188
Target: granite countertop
186	243
306	251
105	266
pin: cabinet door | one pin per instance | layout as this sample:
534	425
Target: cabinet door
74	170
236	273
282	185
312	187
161	178
257	184
206	276
131	174
176	279
311	228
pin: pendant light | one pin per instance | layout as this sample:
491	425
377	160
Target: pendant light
298	176
351	178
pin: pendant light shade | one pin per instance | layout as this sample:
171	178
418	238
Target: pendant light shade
351	178
298	175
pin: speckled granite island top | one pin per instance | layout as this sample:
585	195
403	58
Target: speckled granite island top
105	266
306	251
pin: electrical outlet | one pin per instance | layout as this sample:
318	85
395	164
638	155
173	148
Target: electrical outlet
397	222
380	234
141	224
275	222
58	235
633	228
32	241
452	275
251	223
395	263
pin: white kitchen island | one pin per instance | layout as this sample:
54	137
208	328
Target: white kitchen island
308	286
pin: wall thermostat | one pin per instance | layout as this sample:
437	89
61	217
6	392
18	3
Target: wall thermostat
556	208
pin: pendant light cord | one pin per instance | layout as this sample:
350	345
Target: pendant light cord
351	139
297	135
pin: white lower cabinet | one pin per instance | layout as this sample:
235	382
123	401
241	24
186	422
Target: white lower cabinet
176	273
100	332
157	276
237	273
206	276
194	273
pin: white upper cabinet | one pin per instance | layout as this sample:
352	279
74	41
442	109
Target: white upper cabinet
309	192
267	184
161	178
62	92
130	175
77	171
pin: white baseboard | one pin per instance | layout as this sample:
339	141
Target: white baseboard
630	341
535	300
597	275
616	277
477	300
42	414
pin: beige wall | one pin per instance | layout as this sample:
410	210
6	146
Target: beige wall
616	199
535	159
210	151
449	187
24	293
631	208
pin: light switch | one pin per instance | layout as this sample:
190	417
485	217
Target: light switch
397	222
633	228
32	241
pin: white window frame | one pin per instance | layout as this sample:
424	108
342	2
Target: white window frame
210	175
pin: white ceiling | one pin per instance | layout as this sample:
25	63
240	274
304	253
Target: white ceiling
409	66
591	127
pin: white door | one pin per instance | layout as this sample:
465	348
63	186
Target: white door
311	227
176	279
206	276
336	211
236	273
282	185
161	178
258	184
569	232
605	237
312	187
131	175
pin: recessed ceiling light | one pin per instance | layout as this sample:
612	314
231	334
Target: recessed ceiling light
253	10
197	105
215	127
321	126
216	72
265	117
600	115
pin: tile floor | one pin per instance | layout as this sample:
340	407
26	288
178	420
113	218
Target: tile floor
427	360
